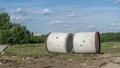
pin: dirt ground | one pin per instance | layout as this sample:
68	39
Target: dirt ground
79	61
106	60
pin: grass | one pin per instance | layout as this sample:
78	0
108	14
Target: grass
110	47
37	50
33	50
26	50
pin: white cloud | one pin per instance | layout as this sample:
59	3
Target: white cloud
56	22
79	26
46	11
70	15
115	25
112	24
91	26
74	28
18	18
20	11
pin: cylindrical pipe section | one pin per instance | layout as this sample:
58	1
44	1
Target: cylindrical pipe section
59	42
86	42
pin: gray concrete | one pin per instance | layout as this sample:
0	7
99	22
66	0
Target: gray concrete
3	47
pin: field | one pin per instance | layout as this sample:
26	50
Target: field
36	56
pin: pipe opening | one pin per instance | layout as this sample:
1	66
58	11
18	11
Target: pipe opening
84	41
70	43
56	37
80	45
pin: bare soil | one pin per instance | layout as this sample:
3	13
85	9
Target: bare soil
106	60
78	61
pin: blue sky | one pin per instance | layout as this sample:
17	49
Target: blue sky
43	16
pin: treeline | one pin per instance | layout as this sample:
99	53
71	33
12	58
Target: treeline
11	33
110	37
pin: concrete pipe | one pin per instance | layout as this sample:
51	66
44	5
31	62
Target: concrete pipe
59	42
86	42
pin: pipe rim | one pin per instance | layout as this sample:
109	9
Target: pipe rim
97	42
47	40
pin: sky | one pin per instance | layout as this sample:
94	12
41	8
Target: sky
43	16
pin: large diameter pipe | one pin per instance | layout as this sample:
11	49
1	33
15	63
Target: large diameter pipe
86	42
59	42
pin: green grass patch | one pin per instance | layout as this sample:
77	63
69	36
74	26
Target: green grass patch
32	50
110	47
26	50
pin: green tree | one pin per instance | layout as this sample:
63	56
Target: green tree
11	33
5	21
5	36
107	37
19	34
5	25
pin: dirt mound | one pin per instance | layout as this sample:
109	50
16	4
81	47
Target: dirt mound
107	60
111	65
79	61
